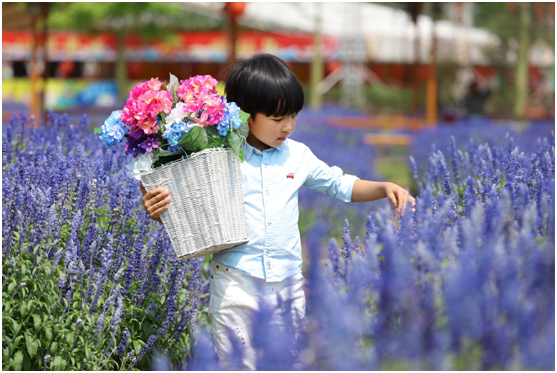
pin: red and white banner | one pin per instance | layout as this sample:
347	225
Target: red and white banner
181	47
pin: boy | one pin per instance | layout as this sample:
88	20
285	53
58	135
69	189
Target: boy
274	168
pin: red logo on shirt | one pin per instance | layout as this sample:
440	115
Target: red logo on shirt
290	176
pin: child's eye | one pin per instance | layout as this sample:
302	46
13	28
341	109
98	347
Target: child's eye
278	120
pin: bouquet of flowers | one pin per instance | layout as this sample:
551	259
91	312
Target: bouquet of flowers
186	138
163	124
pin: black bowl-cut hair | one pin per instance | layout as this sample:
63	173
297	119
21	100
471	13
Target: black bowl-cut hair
264	84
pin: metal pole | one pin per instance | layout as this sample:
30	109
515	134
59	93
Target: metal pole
521	83
317	72
44	15
34	13
431	88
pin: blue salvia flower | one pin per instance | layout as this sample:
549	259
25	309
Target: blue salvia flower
469	196
513	166
123	342
453	156
447	185
414	168
334	256
97	293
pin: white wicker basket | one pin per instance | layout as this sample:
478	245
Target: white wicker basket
206	214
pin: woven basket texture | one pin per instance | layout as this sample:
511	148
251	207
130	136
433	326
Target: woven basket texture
206	214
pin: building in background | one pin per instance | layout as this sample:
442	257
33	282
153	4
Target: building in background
81	67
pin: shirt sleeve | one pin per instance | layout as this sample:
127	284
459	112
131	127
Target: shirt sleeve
330	181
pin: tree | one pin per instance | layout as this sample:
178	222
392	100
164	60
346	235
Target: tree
514	24
149	20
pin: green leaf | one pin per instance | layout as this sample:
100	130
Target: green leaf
163	115
98	131
244	116
32	345
36	321
17	361
172	86
17	328
195	140
9	349
235	144
58	363
215	140
166	153
26	363
16	341
69	338
48	333
137	346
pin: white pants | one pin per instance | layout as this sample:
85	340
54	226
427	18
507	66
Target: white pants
235	296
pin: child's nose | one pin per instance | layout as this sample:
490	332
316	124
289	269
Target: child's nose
288	126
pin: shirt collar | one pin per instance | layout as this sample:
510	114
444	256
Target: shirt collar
248	149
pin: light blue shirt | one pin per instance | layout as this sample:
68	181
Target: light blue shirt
270	180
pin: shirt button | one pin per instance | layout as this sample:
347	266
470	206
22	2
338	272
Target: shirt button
265	165
267	192
269	223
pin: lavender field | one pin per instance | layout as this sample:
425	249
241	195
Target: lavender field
467	281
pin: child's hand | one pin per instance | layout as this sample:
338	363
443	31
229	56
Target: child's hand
155	202
399	197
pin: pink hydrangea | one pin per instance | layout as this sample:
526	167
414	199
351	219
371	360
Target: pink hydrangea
145	102
204	84
213	110
199	94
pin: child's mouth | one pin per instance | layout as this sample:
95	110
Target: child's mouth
281	138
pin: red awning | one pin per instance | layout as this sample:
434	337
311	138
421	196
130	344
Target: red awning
184	47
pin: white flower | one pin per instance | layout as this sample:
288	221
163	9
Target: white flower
176	115
140	165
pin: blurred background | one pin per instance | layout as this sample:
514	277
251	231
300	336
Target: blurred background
387	79
390	61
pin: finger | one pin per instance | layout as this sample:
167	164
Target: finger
142	188
413	201
152	198
156	214
150	194
401	196
160	204
391	196
404	202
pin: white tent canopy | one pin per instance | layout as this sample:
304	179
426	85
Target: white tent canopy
388	33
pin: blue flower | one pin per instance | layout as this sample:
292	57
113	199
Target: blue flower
175	132
231	119
113	129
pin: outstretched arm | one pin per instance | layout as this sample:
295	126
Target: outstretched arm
365	191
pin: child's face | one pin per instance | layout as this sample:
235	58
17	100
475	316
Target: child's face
270	132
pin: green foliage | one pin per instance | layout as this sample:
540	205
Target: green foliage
150	19
235	144
195	140
38	320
